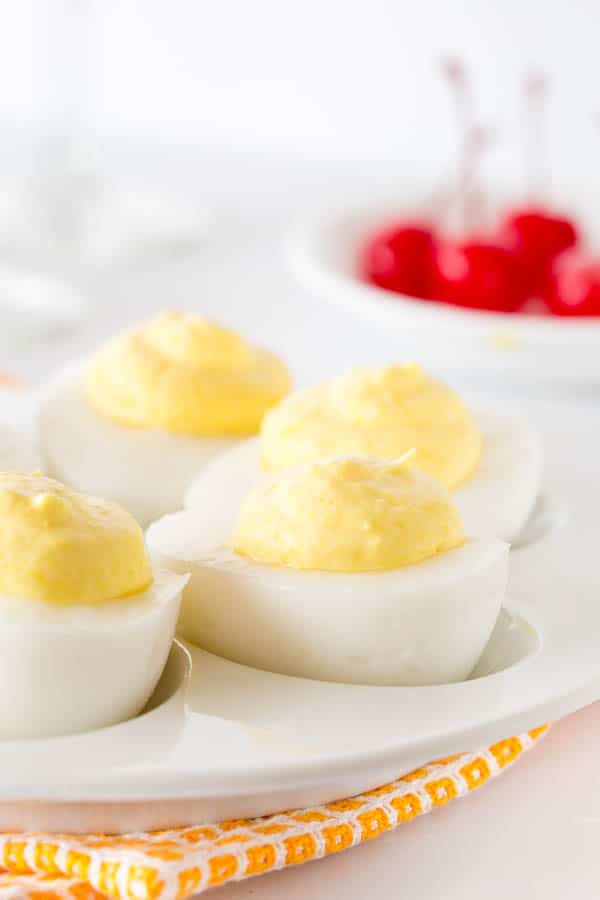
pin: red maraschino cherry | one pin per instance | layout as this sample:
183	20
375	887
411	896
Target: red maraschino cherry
574	287
478	275
534	233
400	258
536	237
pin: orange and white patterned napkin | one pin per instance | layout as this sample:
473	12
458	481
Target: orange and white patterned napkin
172	865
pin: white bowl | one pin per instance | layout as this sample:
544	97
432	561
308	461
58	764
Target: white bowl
323	254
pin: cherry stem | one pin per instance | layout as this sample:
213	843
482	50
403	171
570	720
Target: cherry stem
473	141
477	142
458	79
535	145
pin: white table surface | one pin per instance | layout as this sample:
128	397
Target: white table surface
535	831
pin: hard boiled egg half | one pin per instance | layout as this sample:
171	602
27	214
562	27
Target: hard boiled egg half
86	622
347	569
140	419
492	465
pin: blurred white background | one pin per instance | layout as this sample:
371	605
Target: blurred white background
248	113
323	79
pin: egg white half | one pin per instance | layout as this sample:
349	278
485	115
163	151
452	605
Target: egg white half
146	470
421	624
496	500
67	669
500	495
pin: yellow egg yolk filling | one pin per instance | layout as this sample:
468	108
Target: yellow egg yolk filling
186	375
376	412
347	515
63	548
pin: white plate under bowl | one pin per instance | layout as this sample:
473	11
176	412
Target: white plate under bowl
323	254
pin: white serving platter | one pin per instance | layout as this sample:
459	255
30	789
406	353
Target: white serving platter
219	740
322	253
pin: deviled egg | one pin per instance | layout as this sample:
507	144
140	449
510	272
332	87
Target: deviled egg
86	624
346	569
492	465
139	420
